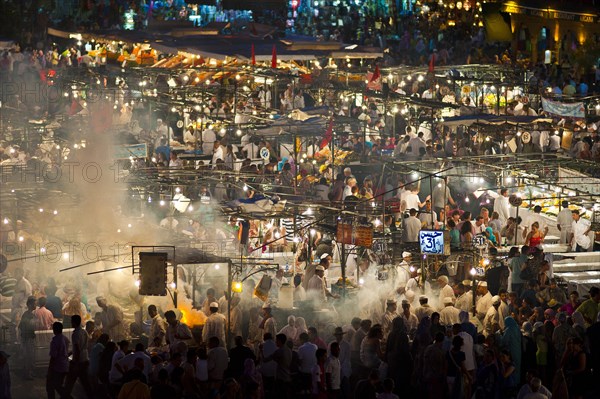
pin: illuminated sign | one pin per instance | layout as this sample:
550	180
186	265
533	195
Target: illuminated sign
431	242
513	8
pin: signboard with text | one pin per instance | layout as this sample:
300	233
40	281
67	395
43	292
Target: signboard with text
354	234
433	242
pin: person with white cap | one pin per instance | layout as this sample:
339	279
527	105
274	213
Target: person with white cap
410	319
268	323
449	314
215	325
208	140
389	316
465	296
309	272
484	300
492	321
413	282
111	319
445	290
164	130
404	273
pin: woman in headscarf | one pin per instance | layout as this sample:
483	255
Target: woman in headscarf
549	315
422	340
300	325
529	349
290	330
398	358
579	325
541	354
511	341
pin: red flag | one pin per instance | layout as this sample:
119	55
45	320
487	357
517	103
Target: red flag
74	108
253	55
328	135
274	58
432	62
376	75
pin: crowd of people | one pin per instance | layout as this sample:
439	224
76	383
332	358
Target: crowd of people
527	343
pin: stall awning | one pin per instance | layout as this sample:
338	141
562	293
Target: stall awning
497	24
486	119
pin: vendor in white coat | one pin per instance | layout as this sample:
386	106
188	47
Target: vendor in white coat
580	240
564	222
215	325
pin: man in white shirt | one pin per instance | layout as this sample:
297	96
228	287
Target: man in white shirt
479	225
412	226
22	291
427	94
215	325
265	97
411	199
484	300
208	141
449	314
467	347
164	130
465	296
158	328
425	309
564	222
446	290
491	321
175	162
580	241
544	140
502	206
410	319
416	143
218	152
251	150
317	289
554	142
